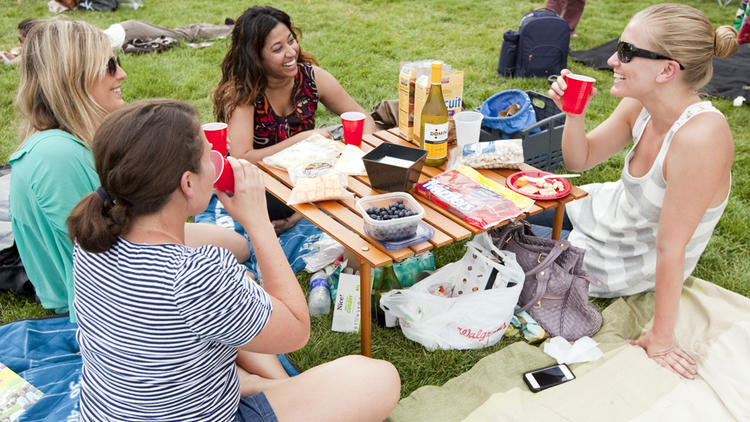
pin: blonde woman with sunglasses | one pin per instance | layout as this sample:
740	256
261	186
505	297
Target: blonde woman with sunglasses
70	81
646	231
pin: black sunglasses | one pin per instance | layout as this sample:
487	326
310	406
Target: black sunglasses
112	65
626	51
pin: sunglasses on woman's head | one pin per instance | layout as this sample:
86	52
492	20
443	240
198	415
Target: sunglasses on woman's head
626	51
112	64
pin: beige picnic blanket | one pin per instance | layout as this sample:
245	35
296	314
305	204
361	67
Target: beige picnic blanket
624	385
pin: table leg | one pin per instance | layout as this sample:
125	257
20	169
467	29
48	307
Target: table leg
365	329
558	221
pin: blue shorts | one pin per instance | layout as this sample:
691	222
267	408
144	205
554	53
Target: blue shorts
255	408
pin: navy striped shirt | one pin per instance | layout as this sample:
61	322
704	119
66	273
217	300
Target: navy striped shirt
159	327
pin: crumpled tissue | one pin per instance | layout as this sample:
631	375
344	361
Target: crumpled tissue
585	349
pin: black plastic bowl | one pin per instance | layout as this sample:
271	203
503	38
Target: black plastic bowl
394	168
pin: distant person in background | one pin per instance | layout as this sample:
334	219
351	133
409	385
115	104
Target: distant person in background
98	5
121	33
570	10
14	55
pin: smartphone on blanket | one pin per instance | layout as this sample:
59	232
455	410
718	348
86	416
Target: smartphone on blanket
542	378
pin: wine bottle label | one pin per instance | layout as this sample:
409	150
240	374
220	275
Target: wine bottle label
436	140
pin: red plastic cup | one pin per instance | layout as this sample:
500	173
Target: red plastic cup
354	124
577	94
224	175
216	133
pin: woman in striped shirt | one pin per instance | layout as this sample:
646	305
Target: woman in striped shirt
647	230
161	323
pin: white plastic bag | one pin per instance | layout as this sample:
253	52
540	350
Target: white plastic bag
317	181
314	148
320	251
464	305
350	162
503	153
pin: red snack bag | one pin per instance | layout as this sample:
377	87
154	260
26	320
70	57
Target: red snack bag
471	201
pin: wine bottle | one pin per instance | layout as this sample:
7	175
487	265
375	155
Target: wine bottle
433	128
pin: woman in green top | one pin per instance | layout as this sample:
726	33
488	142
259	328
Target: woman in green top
70	81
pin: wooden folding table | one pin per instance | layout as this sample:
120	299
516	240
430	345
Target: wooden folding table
341	220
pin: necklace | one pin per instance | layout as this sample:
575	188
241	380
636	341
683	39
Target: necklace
145	235
169	235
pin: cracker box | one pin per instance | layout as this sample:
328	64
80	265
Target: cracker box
346	307
406	80
414	85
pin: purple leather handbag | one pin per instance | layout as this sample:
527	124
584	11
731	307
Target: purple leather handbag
556	289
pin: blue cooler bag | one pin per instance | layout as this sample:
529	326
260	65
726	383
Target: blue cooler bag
524	118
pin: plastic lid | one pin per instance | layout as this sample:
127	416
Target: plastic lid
424	232
437	72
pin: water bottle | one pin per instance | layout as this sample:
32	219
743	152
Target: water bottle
319	300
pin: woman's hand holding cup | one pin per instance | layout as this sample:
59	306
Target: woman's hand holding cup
248	204
577	101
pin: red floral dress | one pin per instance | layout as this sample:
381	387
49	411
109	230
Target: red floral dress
270	128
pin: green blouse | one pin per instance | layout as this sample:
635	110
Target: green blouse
50	173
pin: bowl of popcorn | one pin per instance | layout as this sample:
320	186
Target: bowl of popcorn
539	185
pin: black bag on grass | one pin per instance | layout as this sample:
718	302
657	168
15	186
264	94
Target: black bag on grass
506	66
541	46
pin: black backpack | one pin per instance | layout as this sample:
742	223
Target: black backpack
539	47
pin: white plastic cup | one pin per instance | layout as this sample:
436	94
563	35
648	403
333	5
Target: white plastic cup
468	127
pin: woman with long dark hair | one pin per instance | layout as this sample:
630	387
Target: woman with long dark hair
269	91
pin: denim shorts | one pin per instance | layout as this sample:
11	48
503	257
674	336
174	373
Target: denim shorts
255	408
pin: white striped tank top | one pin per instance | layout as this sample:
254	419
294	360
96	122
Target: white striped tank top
618	221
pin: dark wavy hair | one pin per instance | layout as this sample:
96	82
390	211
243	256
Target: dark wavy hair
141	152
242	74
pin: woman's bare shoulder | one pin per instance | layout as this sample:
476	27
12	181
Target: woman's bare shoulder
705	141
706	129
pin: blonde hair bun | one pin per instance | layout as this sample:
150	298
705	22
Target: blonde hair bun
725	41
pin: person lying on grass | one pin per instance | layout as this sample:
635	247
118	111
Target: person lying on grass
161	323
13	56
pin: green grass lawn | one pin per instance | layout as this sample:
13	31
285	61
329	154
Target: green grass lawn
361	43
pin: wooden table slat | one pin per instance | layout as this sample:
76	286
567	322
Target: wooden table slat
439	239
356	244
445	229
354	222
346	214
279	174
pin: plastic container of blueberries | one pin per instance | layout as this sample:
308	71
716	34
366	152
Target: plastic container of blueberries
390	230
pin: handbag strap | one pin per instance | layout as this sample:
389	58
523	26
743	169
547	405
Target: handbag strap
542	273
506	230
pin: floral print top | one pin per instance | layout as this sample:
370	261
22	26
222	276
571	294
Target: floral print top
270	128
